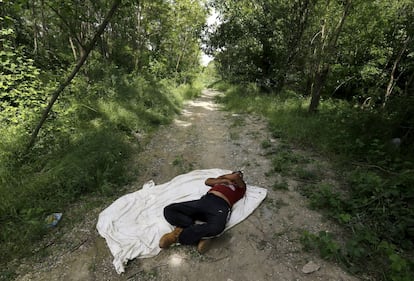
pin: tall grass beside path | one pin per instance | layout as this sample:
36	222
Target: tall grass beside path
84	148
375	200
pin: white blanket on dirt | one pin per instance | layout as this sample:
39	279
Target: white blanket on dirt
134	223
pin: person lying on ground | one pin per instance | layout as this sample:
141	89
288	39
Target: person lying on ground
197	221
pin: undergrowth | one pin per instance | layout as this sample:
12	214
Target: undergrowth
84	148
376	199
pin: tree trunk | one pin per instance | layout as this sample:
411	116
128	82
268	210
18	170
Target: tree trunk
137	42
318	81
77	36
44	30
392	81
318	84
325	52
180	55
35	29
72	46
81	61
409	84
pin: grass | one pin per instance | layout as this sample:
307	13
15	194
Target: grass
281	185
374	198
183	165
266	144
85	148
279	203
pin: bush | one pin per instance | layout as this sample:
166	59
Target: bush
376	201
84	147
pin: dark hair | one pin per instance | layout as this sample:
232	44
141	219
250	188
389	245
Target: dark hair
238	172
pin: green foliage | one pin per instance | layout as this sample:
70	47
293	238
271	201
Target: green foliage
283	161
265	144
95	163
297	44
387	200
21	90
258	41
324	196
400	268
359	250
324	243
136	78
182	164
282	185
160	38
306	174
375	199
83	148
187	91
208	76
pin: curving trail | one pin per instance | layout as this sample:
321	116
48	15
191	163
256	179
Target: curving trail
266	246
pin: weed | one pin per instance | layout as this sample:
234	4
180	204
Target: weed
276	133
238	121
306	174
284	161
279	203
234	136
376	203
324	243
281	185
266	144
182	164
276	204
399	268
178	161
84	148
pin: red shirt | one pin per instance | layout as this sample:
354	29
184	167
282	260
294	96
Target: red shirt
232	192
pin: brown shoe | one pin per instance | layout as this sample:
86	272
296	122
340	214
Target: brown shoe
170	238
203	245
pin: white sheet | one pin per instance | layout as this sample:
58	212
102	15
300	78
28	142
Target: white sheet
134	223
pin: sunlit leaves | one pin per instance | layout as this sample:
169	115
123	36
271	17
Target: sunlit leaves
20	86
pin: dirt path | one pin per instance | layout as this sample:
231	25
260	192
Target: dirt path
265	246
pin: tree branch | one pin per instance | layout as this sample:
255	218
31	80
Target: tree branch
80	63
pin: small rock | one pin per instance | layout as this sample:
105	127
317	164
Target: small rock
310	267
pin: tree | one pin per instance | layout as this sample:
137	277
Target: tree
369	44
355	50
157	39
259	41
393	80
324	51
81	61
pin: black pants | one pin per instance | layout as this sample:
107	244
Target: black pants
210	209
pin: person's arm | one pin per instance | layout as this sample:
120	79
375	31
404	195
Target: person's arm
226	179
219	180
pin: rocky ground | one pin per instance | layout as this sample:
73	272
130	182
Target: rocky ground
266	246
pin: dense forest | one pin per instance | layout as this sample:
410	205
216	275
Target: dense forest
82	81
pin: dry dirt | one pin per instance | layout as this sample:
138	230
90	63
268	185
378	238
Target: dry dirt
266	246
